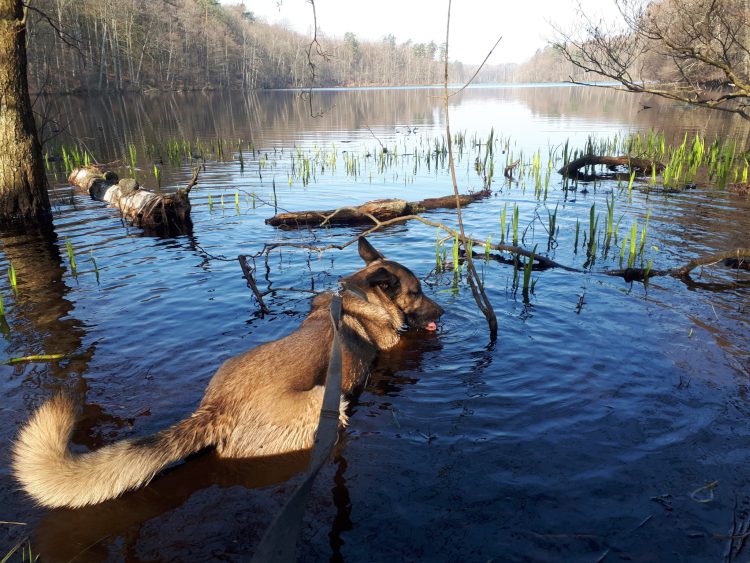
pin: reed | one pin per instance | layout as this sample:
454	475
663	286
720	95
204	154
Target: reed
132	154
94	264
551	227
515	224
503	216
71	257
527	269
12	277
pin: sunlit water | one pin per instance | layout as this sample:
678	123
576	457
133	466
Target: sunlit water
583	434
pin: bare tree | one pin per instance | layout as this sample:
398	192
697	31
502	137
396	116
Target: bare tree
691	51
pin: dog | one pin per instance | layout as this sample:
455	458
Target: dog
263	402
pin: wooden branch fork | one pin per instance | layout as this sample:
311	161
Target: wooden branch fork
163	213
370	212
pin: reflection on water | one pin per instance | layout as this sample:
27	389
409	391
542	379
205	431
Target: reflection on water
579	436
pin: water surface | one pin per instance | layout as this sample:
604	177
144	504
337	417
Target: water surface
581	435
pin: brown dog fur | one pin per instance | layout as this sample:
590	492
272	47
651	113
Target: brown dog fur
263	402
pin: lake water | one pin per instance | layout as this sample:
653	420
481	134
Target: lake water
609	421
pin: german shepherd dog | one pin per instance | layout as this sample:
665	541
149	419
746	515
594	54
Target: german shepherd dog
263	402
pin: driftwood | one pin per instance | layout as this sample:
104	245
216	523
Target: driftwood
738	259
640	166
163	213
370	212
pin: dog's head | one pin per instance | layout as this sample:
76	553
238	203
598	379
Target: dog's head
395	288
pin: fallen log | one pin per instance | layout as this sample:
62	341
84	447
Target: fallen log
162	213
380	209
640	166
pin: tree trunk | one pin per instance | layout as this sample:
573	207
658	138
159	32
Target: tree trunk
156	213
23	183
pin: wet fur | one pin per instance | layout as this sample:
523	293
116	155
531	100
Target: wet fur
263	402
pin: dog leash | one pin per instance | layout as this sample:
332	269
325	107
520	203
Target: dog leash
279	543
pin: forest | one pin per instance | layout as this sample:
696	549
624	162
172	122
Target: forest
79	46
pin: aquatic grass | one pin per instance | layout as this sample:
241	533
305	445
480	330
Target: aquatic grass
503	216
630	187
551	227
71	257
157	175
632	253
210	203
610	224
12	277
527	269
643	233
575	244
456	244
94	264
237	201
132	159
515	224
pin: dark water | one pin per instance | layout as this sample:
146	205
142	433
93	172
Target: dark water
583	434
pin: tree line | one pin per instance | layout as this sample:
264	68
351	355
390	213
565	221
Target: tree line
77	46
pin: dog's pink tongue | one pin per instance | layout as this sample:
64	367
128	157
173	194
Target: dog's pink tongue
431	326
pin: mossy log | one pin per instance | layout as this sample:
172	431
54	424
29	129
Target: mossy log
379	209
163	213
640	166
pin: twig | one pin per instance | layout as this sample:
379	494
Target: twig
194	180
475	283
247	272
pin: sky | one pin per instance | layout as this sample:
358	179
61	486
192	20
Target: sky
475	24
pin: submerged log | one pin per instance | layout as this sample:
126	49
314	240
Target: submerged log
164	213
379	209
640	166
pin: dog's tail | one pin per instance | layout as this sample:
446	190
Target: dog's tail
54	476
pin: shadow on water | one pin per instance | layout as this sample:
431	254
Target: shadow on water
88	534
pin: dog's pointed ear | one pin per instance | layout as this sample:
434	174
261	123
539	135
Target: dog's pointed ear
368	252
383	279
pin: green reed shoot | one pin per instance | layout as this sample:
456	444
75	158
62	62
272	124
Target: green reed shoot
649	265
237	201
2	307
633	235
275	198
552	225
630	186
503	215
71	257
455	255
527	269
643	232
439	262
157	175
575	244
132	157
593	227
515	224
12	277
487	246
96	267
